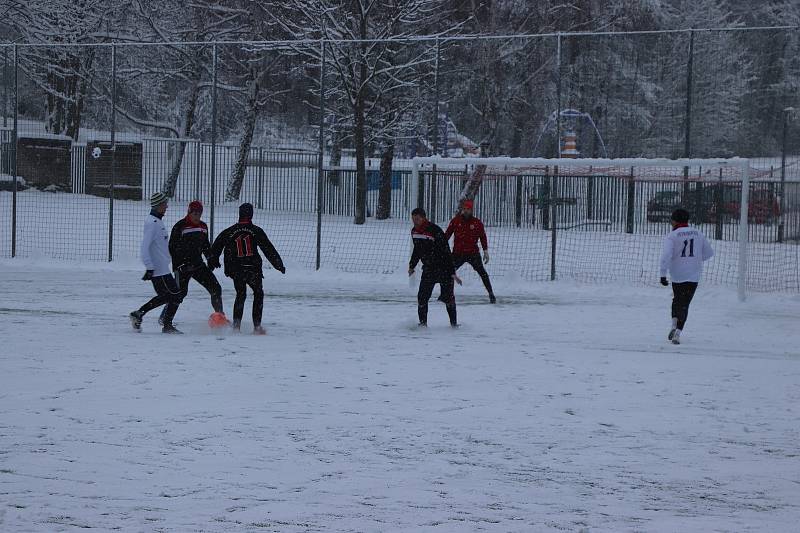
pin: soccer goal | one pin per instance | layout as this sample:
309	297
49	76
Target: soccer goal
596	219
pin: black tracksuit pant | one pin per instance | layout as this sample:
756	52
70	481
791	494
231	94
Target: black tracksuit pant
205	277
241	281
167	293
476	263
429	280
682	294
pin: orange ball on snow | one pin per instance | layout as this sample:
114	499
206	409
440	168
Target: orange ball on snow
217	320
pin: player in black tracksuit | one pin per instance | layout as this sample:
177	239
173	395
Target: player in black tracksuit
431	247
188	243
240	244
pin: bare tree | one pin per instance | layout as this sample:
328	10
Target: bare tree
236	179
169	81
363	35
63	73
255	68
260	71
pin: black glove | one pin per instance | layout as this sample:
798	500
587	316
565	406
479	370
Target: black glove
664	282
147	275
213	262
282	270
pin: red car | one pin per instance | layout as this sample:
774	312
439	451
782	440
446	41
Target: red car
763	208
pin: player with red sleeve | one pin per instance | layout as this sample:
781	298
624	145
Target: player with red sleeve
468	230
431	248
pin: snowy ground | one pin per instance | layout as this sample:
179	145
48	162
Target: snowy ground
560	409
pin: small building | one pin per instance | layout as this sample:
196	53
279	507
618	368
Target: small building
43	161
127	169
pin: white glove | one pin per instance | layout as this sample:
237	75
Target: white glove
486	256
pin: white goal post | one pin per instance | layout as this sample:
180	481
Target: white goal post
735	171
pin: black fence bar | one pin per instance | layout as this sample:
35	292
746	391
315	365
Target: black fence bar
14	154
112	184
630	215
321	155
213	172
553	222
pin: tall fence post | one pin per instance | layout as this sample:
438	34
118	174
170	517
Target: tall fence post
543	199
113	152
744	237
718	199
687	132
552	180
5	86
213	173
436	97
630	214
553	224
590	195
784	148
420	190
198	151
687	138
435	139
14	151
558	95
260	176
321	155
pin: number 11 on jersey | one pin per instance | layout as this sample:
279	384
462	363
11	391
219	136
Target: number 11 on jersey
244	246
690	244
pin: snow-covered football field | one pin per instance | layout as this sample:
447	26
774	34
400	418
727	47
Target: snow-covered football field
562	408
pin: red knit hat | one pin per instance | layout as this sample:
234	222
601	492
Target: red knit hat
468	204
196	206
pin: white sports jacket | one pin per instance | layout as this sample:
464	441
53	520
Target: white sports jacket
155	246
685	249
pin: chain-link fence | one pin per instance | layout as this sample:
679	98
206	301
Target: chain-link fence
318	136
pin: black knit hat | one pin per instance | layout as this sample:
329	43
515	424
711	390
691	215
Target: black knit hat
246	211
681	216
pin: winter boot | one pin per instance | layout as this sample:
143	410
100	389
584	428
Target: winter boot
673	330
136	320
170	329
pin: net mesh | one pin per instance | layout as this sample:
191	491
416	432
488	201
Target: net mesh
365	209
672	94
60	114
272	152
608	220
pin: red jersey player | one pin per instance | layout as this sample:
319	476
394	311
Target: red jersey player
468	230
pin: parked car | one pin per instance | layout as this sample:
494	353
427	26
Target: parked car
714	202
661	206
763	206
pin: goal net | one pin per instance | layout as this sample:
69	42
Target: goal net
604	219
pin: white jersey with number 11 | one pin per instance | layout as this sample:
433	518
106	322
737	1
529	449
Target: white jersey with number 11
684	251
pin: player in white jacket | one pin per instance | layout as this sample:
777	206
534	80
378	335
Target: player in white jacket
156	258
682	256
